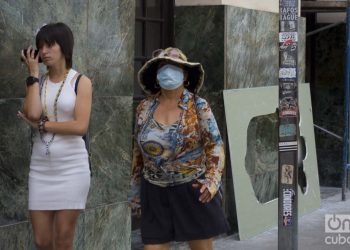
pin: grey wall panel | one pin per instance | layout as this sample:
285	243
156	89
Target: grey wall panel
15	32
108	227
199	32
74	14
14	163
111	46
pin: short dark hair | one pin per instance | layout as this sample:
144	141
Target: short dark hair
58	33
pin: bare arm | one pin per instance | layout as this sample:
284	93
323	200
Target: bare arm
82	112
32	104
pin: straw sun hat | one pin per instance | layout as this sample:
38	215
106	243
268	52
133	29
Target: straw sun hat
147	75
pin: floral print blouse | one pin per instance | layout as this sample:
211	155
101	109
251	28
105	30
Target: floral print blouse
195	142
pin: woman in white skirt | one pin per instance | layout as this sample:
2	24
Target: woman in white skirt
59	111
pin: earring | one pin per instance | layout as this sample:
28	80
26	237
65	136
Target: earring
187	83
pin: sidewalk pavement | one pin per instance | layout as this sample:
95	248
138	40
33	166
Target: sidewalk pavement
311	236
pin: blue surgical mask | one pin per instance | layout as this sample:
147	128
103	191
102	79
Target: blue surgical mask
170	77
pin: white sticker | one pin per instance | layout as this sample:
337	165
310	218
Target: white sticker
287	143
288	73
284	36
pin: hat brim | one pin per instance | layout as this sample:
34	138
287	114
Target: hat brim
147	75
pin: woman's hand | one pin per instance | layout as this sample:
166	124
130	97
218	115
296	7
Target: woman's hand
24	118
135	207
205	196
31	61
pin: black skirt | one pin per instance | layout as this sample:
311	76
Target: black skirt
176	214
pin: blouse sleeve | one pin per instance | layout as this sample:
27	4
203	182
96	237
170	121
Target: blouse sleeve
137	165
213	146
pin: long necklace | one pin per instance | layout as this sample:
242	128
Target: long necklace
48	143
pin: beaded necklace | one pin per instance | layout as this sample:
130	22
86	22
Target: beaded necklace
48	143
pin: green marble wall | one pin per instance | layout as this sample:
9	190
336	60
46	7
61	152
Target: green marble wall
238	49
252	48
104	51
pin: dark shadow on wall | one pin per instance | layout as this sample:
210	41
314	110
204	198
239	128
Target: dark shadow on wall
328	100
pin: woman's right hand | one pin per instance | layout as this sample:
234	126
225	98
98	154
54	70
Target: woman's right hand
31	61
22	116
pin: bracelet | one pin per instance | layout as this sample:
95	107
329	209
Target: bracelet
41	125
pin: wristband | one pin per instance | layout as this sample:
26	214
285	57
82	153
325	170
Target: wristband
31	80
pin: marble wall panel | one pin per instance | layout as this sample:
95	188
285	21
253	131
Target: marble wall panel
111	46
16	236
79	242
199	32
14	162
108	227
111	140
72	13
252	48
15	33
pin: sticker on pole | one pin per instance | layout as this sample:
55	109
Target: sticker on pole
288	44
287	73
288	199
289	13
284	36
287	174
288	3
288	146
288	85
286	130
288	107
287	59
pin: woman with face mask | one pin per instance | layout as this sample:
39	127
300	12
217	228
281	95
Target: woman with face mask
178	156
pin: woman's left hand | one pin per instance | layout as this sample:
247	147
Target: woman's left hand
205	196
31	61
24	118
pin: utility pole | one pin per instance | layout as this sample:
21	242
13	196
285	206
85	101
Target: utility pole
288	126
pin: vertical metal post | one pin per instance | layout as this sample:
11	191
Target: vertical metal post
288	126
346	112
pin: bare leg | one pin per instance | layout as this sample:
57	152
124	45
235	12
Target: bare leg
65	221
164	246
42	223
206	244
